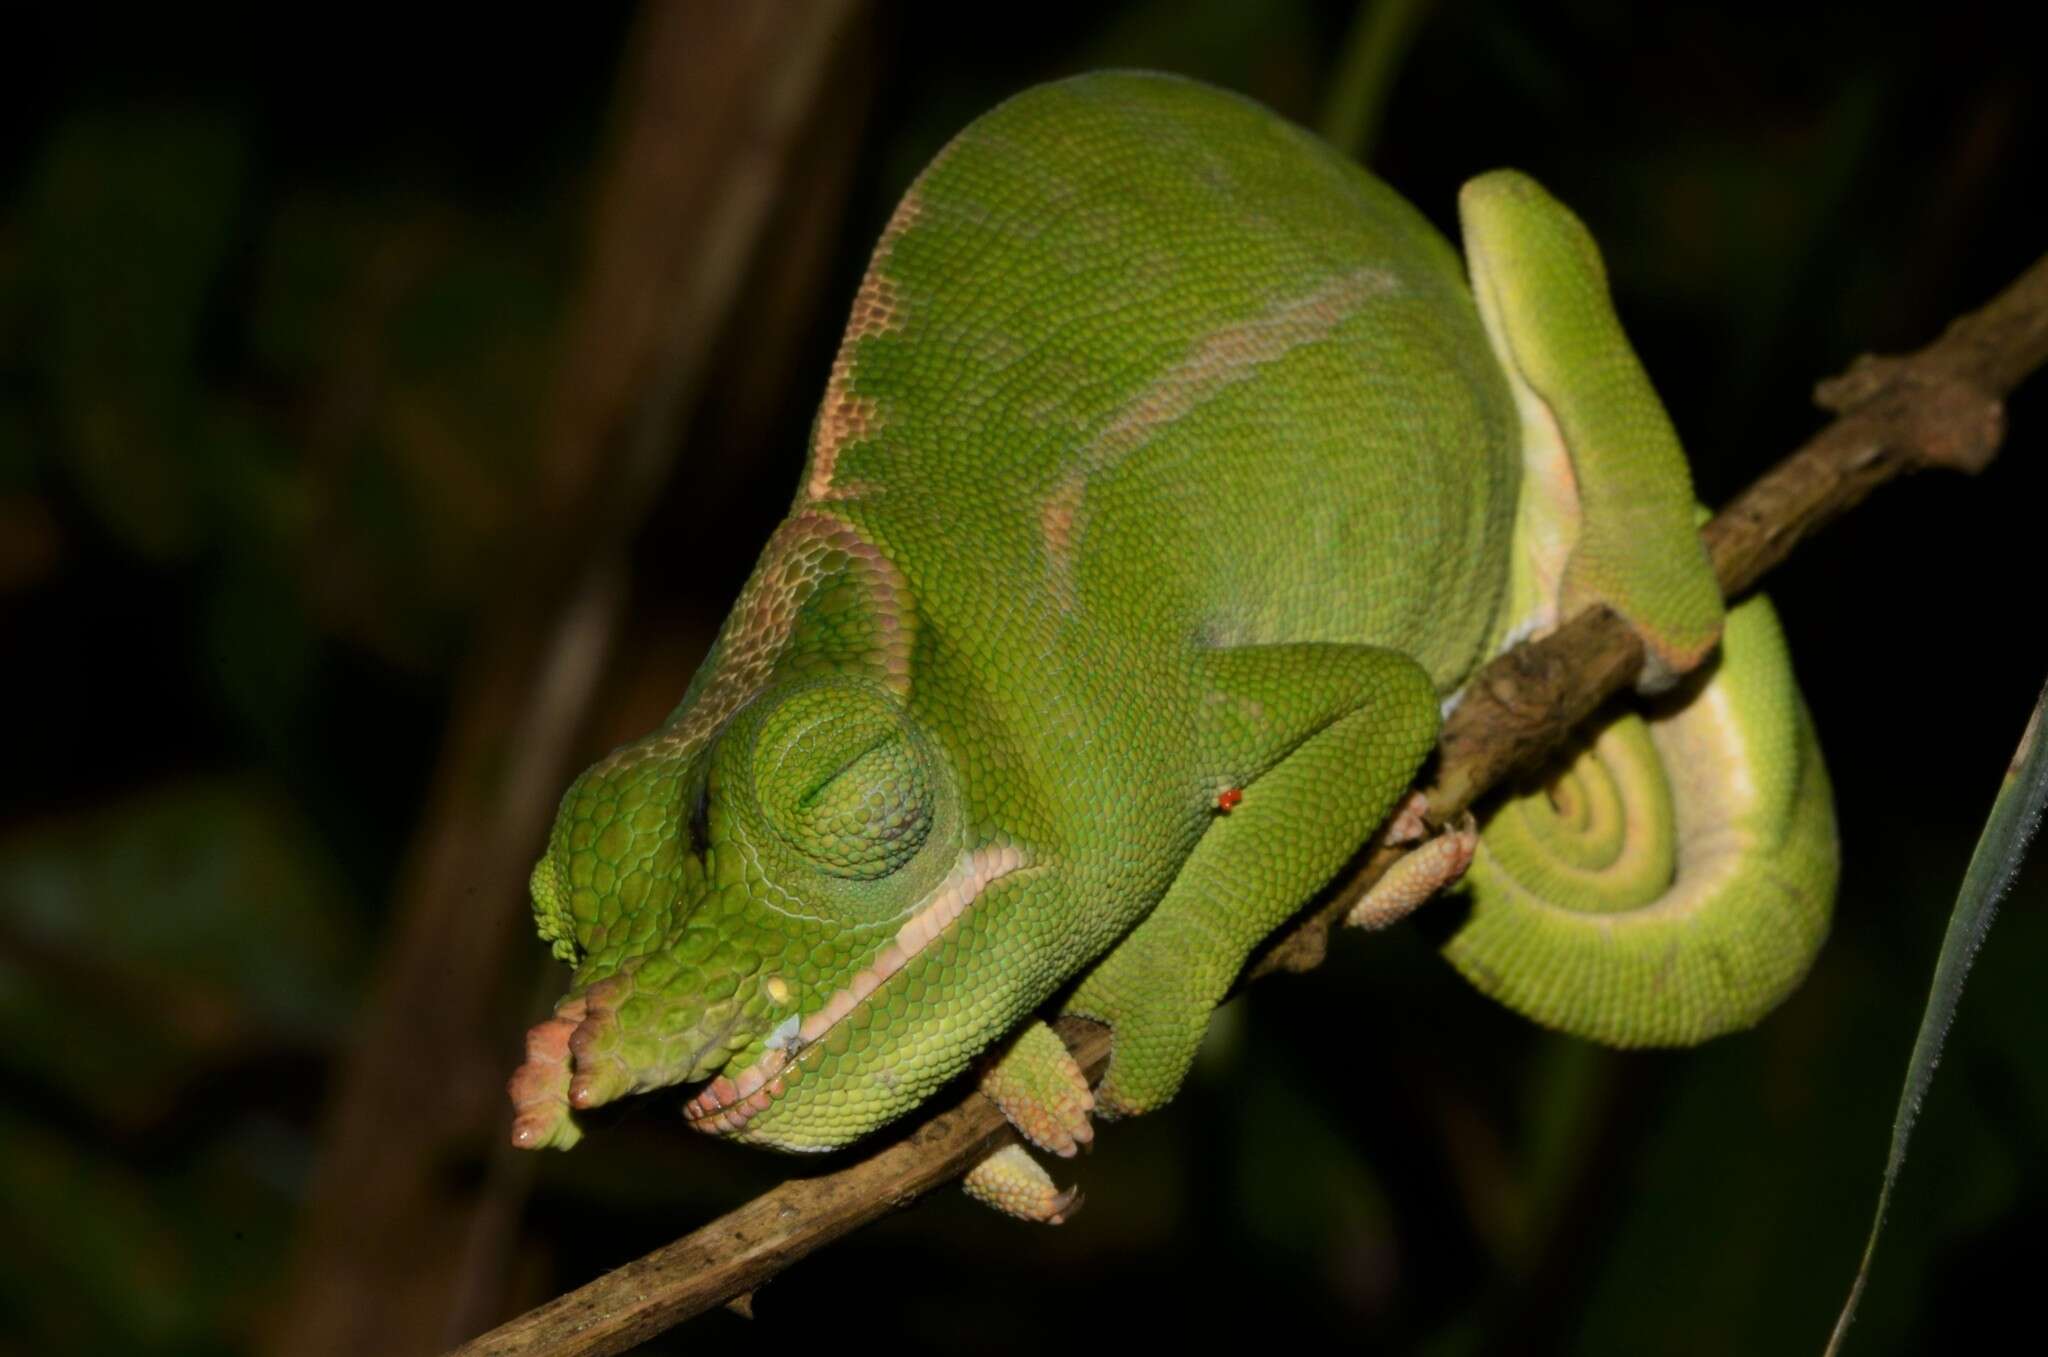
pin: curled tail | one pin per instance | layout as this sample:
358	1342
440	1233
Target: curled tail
1671	880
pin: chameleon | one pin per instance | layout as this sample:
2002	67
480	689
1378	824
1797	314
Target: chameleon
1172	479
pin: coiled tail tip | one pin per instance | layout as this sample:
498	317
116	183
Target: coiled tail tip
1674	878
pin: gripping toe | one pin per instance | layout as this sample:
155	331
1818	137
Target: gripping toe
1012	1182
1042	1091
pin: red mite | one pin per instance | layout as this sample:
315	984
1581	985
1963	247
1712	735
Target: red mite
1227	799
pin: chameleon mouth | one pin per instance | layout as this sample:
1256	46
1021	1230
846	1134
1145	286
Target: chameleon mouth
572	1066
729	1102
575	1061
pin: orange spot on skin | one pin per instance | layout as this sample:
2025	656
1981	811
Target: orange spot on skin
1059	527
1229	799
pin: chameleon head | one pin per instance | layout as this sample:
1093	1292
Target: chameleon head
732	902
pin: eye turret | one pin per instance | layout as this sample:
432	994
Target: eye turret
842	776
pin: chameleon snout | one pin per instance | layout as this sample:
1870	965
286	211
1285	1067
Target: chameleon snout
621	1036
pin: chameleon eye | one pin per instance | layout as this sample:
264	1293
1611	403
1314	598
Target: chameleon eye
697	826
841	777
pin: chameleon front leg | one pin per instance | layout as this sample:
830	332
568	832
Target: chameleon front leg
1314	744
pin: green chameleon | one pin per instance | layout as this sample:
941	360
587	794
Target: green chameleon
1171	479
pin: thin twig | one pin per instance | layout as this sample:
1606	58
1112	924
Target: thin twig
1940	407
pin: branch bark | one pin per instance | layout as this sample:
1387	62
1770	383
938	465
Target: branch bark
1941	407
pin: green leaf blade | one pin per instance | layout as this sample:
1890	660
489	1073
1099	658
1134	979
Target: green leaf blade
2001	849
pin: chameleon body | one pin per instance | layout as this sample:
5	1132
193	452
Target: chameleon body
1171	480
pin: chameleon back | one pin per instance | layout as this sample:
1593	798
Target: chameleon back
1136	361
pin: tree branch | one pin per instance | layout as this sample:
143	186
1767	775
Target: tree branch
1939	407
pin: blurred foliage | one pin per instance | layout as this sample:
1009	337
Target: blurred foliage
275	335
159	955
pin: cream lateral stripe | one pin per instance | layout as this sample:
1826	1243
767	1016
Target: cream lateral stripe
1231	355
726	1104
1547	512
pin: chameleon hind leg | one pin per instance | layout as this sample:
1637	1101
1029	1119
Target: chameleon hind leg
1313	745
1672	878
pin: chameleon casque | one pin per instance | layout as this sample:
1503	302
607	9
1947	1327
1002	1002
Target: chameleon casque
1171	479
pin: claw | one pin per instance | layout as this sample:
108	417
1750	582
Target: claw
1012	1182
1408	824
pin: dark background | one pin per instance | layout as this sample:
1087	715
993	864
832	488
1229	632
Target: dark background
390	410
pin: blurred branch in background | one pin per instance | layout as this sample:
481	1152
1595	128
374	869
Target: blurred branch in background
398	1254
1939	408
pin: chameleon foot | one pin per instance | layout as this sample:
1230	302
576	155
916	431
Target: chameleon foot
1408	825
540	1087
1014	1183
1416	877
1042	1091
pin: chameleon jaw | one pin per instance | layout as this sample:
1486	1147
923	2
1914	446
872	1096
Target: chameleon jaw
728	1103
573	1064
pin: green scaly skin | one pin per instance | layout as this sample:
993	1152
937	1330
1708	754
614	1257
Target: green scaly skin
1168	483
